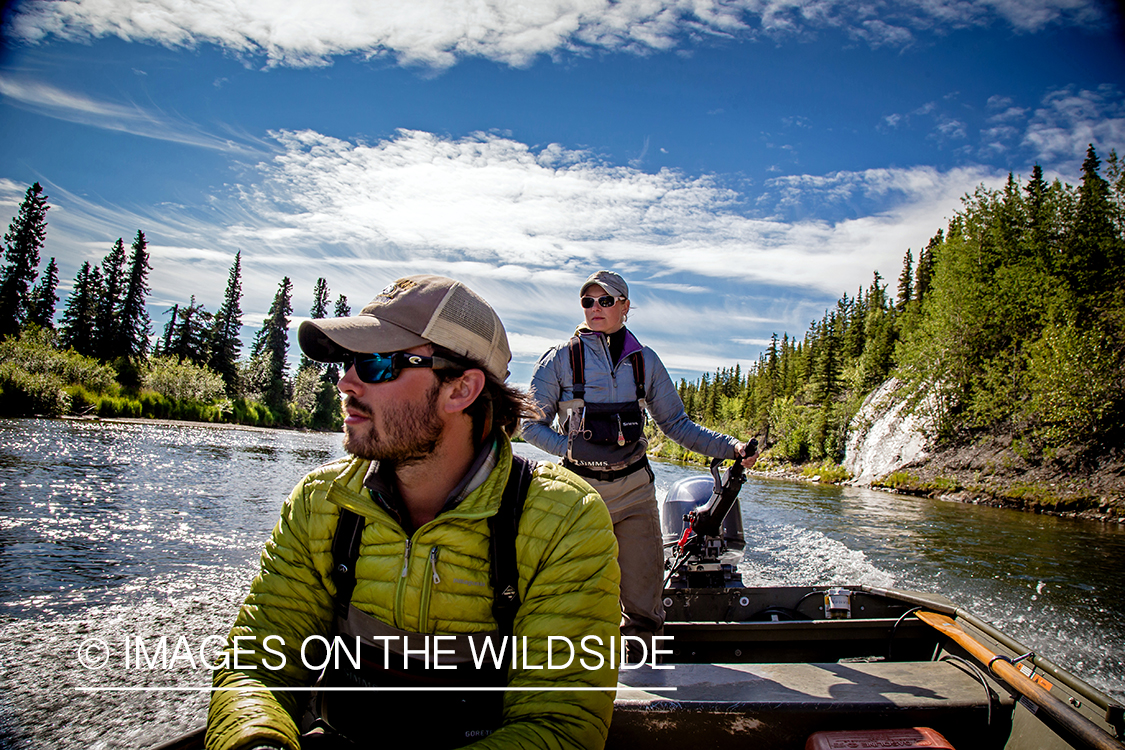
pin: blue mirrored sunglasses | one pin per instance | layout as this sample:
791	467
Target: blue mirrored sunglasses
381	368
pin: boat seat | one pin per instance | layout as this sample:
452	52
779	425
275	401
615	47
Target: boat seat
780	705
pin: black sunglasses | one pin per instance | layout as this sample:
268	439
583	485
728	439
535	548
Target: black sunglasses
604	301
381	368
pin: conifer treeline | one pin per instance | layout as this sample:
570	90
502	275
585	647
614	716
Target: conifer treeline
105	328
1012	319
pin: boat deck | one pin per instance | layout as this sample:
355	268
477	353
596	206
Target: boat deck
780	705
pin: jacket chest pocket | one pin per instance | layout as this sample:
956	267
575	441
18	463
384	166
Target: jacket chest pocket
453	588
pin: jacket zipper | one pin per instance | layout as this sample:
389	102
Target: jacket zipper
427	590
609	358
401	587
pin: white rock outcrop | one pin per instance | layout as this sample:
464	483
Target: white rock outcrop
883	437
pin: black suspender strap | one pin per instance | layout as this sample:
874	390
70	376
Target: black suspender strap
639	373
503	528
578	367
345	552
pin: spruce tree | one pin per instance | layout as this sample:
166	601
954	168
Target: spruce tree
169	330
923	277
44	298
343	310
80	313
226	330
771	368
1010	221
22	242
906	281
135	323
190	336
1039	222
320	299
1115	176
318	311
1095	252
107	324
272	346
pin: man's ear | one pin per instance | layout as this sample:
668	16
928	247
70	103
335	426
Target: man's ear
463	391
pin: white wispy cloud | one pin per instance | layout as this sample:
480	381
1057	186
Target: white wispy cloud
524	227
495	201
1070	119
72	106
438	33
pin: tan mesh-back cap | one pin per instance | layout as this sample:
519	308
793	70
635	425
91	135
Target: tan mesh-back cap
412	311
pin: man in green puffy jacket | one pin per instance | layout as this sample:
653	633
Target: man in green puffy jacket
402	548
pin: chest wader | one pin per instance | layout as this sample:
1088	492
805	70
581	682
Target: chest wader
447	717
602	438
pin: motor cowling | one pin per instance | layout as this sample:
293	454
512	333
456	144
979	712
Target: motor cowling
690	494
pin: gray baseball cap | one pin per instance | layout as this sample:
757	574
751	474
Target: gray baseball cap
609	281
412	311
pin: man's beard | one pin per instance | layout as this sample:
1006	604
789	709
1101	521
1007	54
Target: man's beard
411	431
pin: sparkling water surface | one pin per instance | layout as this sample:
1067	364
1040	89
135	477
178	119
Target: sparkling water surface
112	531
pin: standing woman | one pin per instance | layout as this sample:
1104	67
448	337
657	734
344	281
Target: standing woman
600	384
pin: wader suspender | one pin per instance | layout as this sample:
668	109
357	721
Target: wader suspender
502	530
503	527
578	367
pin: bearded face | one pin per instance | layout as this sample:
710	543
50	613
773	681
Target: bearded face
401	433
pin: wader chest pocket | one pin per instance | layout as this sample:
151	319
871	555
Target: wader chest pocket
612	424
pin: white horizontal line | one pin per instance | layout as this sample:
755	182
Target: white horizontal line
194	689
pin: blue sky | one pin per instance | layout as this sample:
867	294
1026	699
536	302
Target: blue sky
742	163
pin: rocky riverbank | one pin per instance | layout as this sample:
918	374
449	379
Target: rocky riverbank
992	471
887	449
988	474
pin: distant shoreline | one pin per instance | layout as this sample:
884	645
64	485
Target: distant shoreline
188	423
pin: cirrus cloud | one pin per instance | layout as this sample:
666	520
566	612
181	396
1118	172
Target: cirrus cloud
438	33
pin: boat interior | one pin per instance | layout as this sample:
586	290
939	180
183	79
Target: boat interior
772	667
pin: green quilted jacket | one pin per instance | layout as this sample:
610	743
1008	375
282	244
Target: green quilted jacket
437	582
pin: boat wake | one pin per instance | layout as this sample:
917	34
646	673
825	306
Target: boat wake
781	555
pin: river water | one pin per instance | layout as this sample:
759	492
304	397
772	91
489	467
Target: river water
112	532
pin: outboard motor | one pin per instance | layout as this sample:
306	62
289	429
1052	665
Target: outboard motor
701	524
692	493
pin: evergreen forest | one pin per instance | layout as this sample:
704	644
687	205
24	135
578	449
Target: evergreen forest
1009	320
101	358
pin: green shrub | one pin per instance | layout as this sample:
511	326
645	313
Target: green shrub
34	352
183	380
130	373
1077	383
82	402
898	480
24	393
827	473
246	411
789	422
155	406
943	485
111	406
